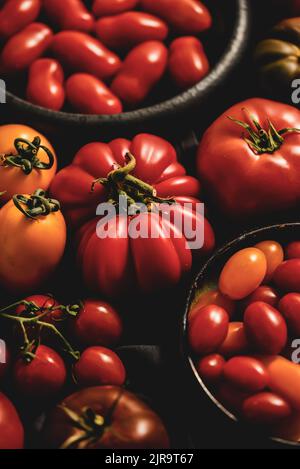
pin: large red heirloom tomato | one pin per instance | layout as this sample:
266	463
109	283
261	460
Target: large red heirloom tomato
105	417
249	158
143	170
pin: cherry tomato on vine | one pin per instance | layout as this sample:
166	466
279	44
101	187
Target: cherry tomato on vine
11	427
43	303
22	49
44	376
89	95
24	167
97	323
243	273
15	15
274	256
45	86
99	366
188	63
113	7
69	14
130	29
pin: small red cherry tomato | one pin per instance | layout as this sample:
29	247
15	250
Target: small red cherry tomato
141	70
83	53
265	328
265	408
22	49
69	14
246	373
11	427
89	95
213	297
263	293
43	377
188	63
99	366
287	276
289	306
292	250
113	7
45	84
97	323
44	303
130	29
236	341
210	368
274	255
243	273
208	329
15	15
185	16
231	397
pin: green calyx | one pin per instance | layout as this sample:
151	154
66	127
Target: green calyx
263	141
120	182
36	205
26	157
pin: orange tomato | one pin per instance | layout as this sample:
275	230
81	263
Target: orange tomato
13	179
31	248
243	273
236	341
274	255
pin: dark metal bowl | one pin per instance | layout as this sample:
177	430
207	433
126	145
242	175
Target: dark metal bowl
233	20
282	233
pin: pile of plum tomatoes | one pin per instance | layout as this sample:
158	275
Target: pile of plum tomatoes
244	335
103	56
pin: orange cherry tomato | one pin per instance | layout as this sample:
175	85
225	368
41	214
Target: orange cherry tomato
212	297
15	176
32	240
243	273
236	341
274	255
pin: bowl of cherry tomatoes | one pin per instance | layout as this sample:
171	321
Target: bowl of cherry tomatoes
115	63
242	333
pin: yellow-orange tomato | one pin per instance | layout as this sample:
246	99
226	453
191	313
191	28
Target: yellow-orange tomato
243	273
13	180
274	255
30	248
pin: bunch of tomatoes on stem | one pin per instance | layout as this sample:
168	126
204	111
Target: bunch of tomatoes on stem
244	336
101	58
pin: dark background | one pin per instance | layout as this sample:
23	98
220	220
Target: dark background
151	345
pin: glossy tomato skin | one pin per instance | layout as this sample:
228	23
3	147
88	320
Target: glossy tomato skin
286	276
99	366
83	53
185	16
45	85
113	7
150	263
69	14
274	256
292	250
289	306
243	273
188	63
254	183
142	69
133	425
16	15
263	293
13	180
265	408
235	342
97	323
22	49
211	367
44	377
27	242
89	95
246	373
265	328
12	431
213	297
208	329
130	29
